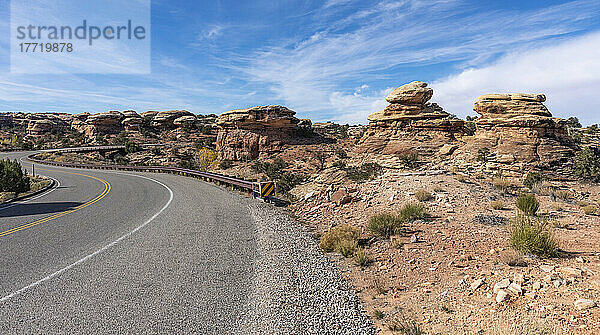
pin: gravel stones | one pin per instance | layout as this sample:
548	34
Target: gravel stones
297	290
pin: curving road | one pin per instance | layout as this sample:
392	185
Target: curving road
107	252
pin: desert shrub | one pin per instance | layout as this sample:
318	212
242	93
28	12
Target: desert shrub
497	204
528	325
339	165
587	164
412	212
12	177
186	164
404	327
409	160
287	181
364	172
273	169
156	151
590	209
378	314
38	183
207	159
573	122
320	158
501	184
121	139
362	257
528	204
346	247
225	164
422	195
483	155
332	238
533	235
120	159
384	224
513	258
564	195
533	180
341	153
131	147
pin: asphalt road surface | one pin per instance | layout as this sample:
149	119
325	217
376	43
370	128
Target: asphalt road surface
109	252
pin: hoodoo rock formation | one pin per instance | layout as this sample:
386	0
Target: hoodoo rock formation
411	125
517	133
247	133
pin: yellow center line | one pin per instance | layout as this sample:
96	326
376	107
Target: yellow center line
107	188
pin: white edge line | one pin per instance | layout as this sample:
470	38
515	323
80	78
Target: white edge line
111	244
56	186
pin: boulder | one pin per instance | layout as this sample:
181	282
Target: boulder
248	133
411	125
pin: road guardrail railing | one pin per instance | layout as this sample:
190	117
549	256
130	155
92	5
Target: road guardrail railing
263	190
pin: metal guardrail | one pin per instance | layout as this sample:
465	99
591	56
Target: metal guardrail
254	187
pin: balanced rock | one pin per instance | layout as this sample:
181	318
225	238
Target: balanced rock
520	135
411	125
247	133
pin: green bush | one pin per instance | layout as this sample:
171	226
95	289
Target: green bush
590	209
533	179
533	235
131	147
362	257
422	195
483	155
334	236
384	224
339	165
341	153
287	181
587	164
273	169
346	247
412	212
225	164
12	177
528	204
409	160
364	172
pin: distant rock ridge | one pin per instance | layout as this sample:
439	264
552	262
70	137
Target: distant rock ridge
410	124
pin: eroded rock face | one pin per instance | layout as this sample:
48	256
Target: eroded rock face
520	134
410	124
247	133
166	119
92	125
37	128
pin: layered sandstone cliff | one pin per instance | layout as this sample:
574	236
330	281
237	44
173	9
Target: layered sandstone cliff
516	133
246	133
411	125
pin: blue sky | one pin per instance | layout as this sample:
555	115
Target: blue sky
337	59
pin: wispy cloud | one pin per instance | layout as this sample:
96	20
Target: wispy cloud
312	74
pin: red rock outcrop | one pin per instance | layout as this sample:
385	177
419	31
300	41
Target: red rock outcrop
165	119
411	125
247	133
516	133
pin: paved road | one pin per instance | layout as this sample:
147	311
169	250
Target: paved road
115	252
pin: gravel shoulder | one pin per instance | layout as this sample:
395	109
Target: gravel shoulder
297	290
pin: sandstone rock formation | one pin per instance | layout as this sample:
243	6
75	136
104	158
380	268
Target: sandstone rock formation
246	133
520	135
37	128
93	125
410	124
165	119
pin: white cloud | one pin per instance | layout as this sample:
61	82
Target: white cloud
568	73
317	76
